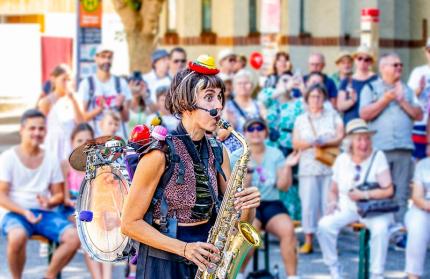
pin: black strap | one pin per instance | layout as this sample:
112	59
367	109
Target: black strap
117	84
370	166
239	109
217	151
91	91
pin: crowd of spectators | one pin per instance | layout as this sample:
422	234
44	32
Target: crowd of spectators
379	122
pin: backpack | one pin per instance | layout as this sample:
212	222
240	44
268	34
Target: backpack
92	100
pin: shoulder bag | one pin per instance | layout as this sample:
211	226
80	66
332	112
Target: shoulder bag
370	208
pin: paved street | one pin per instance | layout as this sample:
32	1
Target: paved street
310	266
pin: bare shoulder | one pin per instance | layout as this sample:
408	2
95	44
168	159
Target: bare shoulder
44	105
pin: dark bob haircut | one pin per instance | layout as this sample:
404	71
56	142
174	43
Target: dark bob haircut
182	95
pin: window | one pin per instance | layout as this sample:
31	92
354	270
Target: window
206	15
253	16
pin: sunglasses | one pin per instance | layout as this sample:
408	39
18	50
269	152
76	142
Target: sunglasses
365	59
182	61
257	128
397	65
357	173
232	59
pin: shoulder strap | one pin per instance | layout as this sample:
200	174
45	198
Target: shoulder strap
237	107
91	91
219	159
117	84
312	126
370	166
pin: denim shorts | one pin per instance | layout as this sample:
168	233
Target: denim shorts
269	209
52	225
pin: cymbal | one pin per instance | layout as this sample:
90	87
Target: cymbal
78	157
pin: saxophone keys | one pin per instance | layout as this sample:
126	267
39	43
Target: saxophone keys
219	245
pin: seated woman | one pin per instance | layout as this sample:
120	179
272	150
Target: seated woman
417	220
349	171
271	173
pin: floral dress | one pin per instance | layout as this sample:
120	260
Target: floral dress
280	119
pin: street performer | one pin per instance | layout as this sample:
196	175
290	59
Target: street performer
179	184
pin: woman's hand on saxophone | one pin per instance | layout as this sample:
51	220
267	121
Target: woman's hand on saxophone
201	253
247	198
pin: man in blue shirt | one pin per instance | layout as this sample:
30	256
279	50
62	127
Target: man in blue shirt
316	63
391	108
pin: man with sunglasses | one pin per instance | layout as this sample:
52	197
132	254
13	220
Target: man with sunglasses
419	81
351	87
177	60
391	107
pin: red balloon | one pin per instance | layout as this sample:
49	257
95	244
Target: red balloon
140	134
256	60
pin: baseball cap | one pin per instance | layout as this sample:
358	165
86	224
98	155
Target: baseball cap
158	54
103	48
223	54
253	121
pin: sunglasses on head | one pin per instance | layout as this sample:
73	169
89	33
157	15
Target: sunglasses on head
182	61
365	59
256	127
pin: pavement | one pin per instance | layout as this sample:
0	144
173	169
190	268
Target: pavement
310	266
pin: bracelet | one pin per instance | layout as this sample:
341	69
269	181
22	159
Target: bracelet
185	248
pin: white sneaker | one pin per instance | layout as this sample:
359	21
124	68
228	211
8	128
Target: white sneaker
335	272
376	276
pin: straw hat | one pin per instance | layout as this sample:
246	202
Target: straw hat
363	50
358	126
341	55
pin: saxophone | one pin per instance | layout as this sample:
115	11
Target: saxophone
234	238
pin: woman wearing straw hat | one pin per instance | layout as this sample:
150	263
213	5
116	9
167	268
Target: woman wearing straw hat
350	88
360	163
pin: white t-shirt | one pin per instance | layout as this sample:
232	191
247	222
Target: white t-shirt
24	183
345	174
108	92
154	82
422	176
414	82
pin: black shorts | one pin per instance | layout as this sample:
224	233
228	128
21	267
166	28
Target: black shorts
269	209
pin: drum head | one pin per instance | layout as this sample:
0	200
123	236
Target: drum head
99	209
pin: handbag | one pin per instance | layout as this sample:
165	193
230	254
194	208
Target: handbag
326	155
371	208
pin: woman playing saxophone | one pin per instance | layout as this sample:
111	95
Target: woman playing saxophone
191	171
